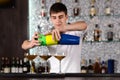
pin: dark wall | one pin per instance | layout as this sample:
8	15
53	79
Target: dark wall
13	29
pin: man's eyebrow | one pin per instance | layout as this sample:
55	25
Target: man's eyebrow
61	15
55	16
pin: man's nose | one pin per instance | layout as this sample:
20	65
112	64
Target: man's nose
58	19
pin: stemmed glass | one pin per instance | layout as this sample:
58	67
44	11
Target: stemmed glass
45	57
60	55
30	57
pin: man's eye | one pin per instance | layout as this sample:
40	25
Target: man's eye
54	17
60	17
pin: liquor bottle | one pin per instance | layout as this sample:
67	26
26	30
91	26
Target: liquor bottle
66	39
2	64
33	68
28	66
111	66
93	10
25	67
110	33
20	67
43	8
97	33
97	66
17	64
103	67
83	66
13	65
108	8
48	66
7	66
90	67
76	9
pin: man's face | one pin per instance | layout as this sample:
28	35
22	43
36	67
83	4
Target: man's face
58	19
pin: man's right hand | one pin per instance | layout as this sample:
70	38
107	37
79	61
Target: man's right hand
56	34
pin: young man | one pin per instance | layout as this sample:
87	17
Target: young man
59	17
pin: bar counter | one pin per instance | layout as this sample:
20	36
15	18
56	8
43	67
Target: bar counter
53	76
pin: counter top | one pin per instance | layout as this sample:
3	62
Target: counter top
54	75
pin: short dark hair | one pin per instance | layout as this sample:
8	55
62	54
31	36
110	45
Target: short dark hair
58	7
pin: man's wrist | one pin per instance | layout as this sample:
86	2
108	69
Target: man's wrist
68	27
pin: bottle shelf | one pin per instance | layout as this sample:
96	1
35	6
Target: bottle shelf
114	41
83	16
54	75
111	16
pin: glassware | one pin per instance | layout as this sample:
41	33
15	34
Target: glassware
41	67
60	55
30	57
45	57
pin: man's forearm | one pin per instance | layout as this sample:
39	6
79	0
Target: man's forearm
80	25
25	45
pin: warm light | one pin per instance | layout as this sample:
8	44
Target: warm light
2	2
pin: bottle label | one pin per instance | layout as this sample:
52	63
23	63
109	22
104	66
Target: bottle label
13	70
83	71
7	70
20	70
24	68
110	35
16	70
103	71
90	71
92	11
107	10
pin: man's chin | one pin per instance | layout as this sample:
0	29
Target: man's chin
58	26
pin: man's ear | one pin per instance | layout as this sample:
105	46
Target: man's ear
67	16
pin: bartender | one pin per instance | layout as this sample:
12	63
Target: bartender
59	17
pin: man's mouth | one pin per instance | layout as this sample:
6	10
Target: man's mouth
58	25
